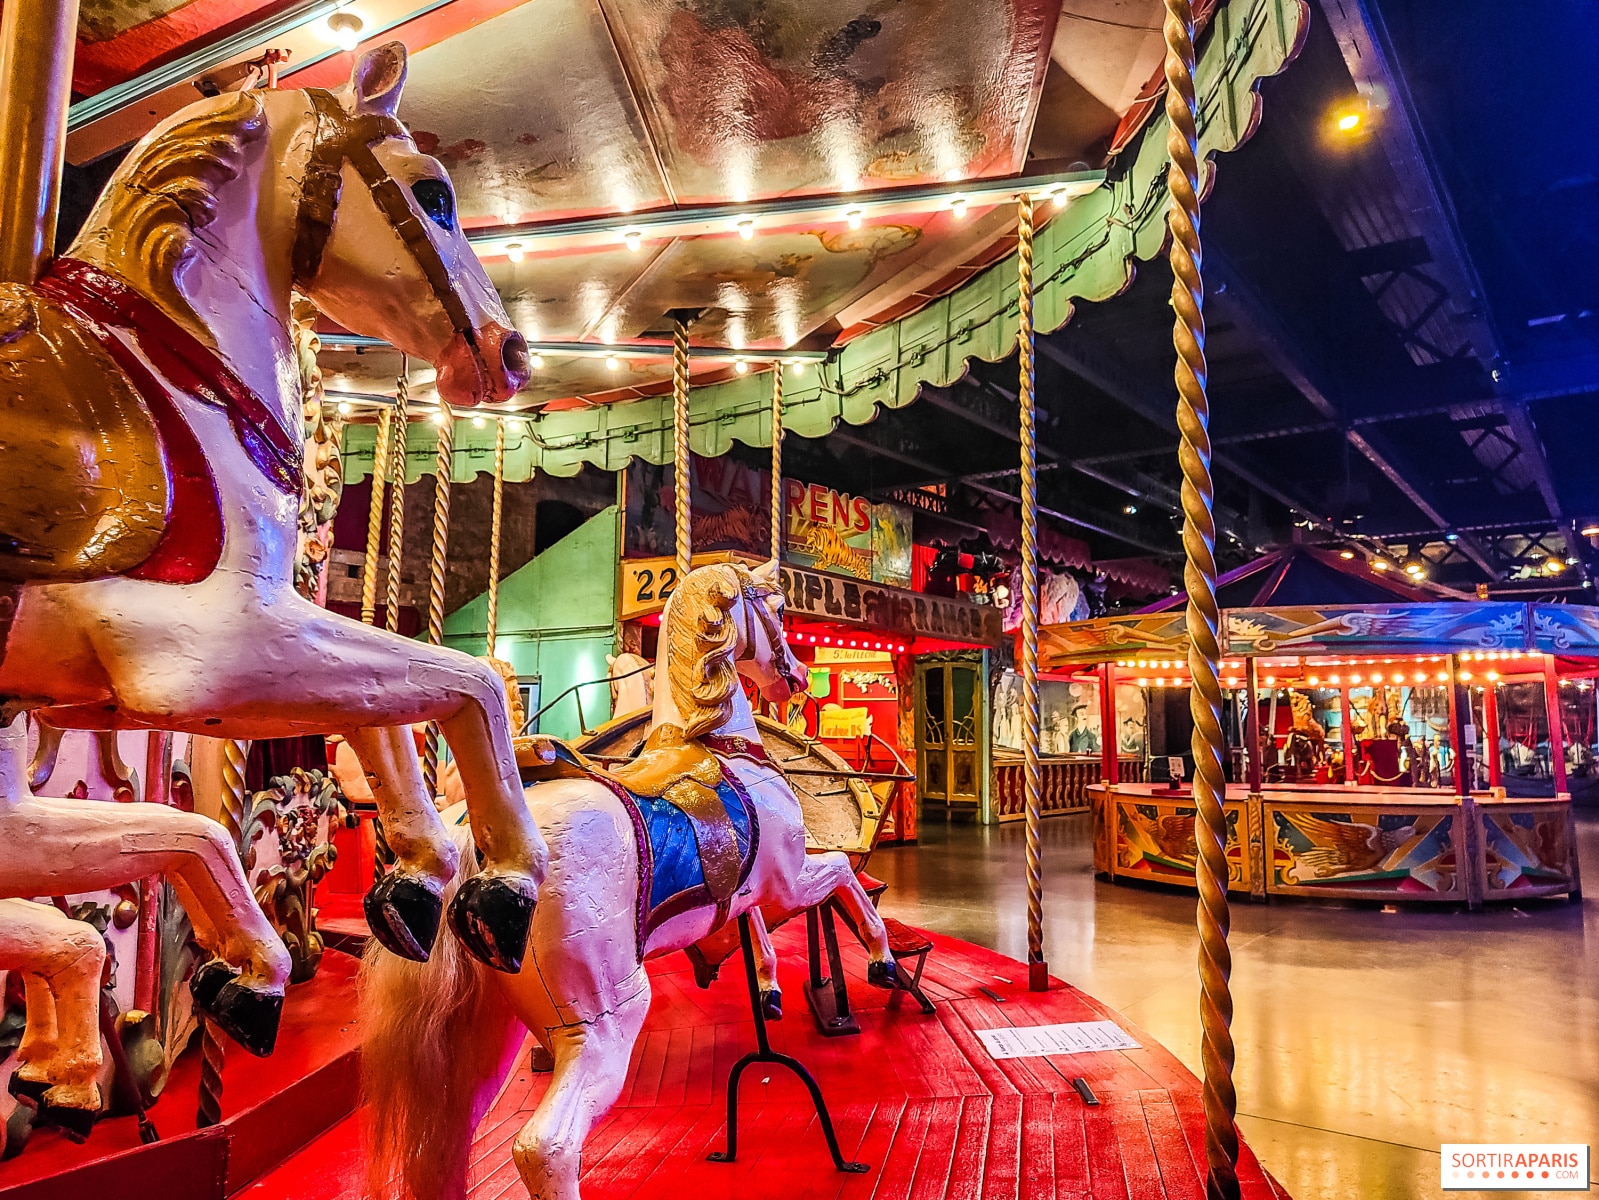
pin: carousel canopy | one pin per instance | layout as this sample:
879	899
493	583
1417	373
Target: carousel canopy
1297	575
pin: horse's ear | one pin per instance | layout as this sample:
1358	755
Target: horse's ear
610	660
378	79
766	572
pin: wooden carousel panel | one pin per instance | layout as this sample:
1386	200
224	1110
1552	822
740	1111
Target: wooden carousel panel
1361	628
1565	629
805	96
560	297
532	115
1392	851
1150	837
1529	849
1108	638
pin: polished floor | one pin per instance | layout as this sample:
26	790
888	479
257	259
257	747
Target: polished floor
1365	1039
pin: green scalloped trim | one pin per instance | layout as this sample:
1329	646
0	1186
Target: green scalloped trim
1083	253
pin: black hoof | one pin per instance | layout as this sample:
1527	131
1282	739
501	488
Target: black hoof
247	1016
75	1123
490	916
29	1091
403	915
772	1005
884	975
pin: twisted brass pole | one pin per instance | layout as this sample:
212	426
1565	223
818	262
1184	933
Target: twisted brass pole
1037	968
680	459
397	439
374	519
231	815
777	462
1199	575
494	533
436	576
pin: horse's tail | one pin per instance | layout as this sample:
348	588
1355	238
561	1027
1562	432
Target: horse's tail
434	1049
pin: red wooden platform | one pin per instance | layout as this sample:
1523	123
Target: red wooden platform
916	1097
271	1108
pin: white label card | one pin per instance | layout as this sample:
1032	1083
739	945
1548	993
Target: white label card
1039	1041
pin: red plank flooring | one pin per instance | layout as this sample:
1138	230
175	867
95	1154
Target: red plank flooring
915	1097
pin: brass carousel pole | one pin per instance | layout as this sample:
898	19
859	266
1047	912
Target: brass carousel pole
1037	968
36	45
397	438
493	620
777	462
436	576
1199	542
681	499
374	519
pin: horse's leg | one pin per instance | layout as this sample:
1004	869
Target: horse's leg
590	1067
766	967
829	875
59	1058
311	671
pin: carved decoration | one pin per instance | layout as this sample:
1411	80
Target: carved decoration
324	475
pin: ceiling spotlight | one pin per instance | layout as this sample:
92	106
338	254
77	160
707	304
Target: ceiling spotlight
345	408
745	227
1553	566
957	207
536	361
1349	119
345	29
1380	564
741	366
1346	554
1415	568
854	216
1590	530
1451	537
1130	509
633	238
514	251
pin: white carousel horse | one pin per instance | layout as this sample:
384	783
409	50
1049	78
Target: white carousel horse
440	1037
59	1060
632	682
149	492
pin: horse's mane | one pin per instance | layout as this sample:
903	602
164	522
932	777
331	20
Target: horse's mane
701	640
149	214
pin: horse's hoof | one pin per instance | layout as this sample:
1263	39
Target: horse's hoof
248	1016
29	1091
491	915
403	914
540	1061
772	1005
885	975
75	1123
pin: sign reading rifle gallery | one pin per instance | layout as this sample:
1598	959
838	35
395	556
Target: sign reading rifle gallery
891	609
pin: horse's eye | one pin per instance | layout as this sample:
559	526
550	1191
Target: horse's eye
437	201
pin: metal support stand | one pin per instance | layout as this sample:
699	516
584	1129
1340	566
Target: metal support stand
827	996
765	1054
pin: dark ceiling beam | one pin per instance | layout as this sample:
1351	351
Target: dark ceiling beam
1094	522
1106	372
1253	315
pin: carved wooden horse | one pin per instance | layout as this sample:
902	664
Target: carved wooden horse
439	1038
149	487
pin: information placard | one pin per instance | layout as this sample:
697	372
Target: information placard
1040	1041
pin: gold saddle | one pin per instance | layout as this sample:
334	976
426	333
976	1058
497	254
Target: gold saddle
84	490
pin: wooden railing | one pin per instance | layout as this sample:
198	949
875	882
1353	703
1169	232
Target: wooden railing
1063	786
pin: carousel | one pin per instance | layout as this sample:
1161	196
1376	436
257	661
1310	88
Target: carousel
344	927
1369	756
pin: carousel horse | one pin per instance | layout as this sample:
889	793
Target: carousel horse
59	1060
632	682
698	829
150	476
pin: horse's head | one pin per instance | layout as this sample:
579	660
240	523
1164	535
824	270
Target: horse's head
379	248
766	656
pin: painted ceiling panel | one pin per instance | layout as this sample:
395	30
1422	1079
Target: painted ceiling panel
825	95
532	115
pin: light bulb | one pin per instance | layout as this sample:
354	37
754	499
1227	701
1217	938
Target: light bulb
514	251
742	367
633	239
1346	554
1058	194
612	363
798	368
345	30
536	361
746	227
854	217
1380	564
478	422
1349	122
957	207
441	417
345	408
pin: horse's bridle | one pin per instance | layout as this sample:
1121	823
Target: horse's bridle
340	138
755	601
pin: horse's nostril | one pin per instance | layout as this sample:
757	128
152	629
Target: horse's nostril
513	354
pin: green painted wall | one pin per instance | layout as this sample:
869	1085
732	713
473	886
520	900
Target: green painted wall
556	621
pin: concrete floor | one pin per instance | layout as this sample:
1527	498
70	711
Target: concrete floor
1365	1039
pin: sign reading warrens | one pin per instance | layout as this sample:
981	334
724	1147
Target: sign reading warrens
831	531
